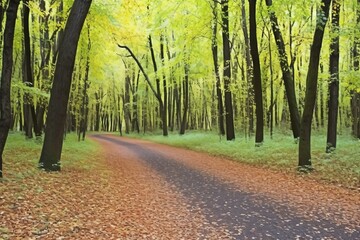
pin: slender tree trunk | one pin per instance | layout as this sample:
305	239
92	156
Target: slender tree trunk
97	112
135	120
7	66
126	103
311	87
249	68
259	136
272	102
28	75
85	96
287	75
55	122
333	102
230	131
164	112
214	48
186	100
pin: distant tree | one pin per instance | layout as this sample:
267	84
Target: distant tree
333	102
56	117
229	115
311	87
6	72
185	111
259	135
286	73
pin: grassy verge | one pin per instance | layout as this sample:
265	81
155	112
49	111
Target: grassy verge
21	156
280	153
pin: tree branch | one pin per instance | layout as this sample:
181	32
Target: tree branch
141	69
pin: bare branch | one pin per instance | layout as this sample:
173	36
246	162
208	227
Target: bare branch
141	69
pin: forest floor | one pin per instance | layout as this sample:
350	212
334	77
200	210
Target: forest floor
135	189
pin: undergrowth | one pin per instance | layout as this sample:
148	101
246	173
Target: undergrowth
21	155
341	167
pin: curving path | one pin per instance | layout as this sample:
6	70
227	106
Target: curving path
247	202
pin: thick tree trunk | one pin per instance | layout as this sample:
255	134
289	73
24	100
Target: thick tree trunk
287	75
230	131
55	122
333	102
311	87
5	87
214	48
355	96
259	135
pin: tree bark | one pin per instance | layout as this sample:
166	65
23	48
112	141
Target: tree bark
7	66
214	48
311	87
355	96
259	135
162	108
287	75
28	79
85	96
186	99
230	131
55	122
164	111
249	69
333	102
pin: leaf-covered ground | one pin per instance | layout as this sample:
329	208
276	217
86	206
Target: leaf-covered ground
108	192
103	196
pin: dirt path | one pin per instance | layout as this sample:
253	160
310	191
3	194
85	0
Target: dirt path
213	197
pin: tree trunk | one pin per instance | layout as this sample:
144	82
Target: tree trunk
259	135
55	122
287	75
164	112
28	79
355	96
159	98
7	66
333	102
311	87
214	48
126	103
230	131
186	99
249	68
85	96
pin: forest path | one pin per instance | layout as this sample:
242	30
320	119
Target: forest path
226	199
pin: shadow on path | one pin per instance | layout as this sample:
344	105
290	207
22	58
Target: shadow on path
245	215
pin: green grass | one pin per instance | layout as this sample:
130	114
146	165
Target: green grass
21	155
280	153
